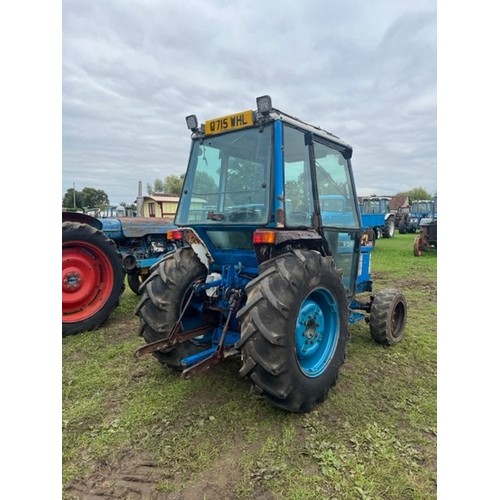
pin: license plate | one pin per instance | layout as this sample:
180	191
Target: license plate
229	122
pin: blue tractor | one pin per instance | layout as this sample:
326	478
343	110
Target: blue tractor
376	216
269	260
419	209
97	254
141	241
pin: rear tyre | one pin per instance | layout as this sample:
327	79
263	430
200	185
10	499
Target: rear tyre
388	317
163	295
92	278
294	330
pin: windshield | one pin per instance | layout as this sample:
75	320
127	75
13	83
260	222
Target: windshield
337	202
421	207
227	181
375	206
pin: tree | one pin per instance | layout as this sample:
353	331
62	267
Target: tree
157	187
72	199
417	194
171	185
86	198
94	197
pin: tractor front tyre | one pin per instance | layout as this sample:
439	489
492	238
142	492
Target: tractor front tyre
294	330
135	280
388	317
163	296
92	278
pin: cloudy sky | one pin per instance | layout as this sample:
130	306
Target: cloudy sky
132	70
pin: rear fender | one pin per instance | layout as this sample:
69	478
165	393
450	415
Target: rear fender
82	218
192	238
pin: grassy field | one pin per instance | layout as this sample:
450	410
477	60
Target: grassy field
132	430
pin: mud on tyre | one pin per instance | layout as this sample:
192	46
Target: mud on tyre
294	329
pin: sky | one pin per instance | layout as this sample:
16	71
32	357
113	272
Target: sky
133	70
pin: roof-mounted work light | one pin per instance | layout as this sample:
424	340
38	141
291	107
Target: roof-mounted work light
192	122
264	104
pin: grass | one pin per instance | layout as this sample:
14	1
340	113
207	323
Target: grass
130	428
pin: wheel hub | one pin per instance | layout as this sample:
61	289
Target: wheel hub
72	281
310	328
316	332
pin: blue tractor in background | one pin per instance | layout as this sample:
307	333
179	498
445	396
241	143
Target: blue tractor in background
376	216
419	209
97	254
269	262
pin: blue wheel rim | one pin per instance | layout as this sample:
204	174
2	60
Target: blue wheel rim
316	332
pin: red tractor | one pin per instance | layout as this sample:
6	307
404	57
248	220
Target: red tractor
427	239
97	254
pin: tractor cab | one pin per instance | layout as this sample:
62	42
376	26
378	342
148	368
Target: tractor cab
262	182
421	208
